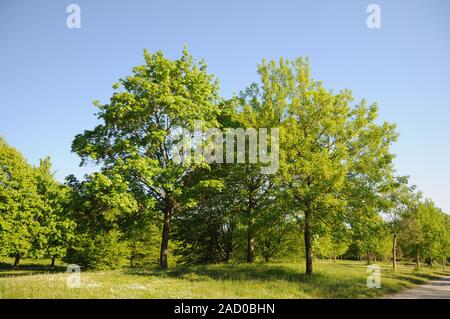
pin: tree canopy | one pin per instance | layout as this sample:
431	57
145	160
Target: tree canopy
331	190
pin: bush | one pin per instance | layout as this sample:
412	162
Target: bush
100	251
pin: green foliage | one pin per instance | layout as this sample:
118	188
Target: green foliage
139	131
102	250
340	279
425	232
207	232
331	150
33	215
102	208
19	203
335	193
56	228
278	237
143	239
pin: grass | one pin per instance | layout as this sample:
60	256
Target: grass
340	279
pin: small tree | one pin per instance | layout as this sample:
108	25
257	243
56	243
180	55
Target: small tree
422	232
398	198
102	206
56	230
19	204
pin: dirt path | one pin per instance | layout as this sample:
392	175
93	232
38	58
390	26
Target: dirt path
435	289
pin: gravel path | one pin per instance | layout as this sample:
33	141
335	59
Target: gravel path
435	289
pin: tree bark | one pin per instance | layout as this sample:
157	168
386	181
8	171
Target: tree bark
250	241
417	259
52	265
250	236
250	247
165	237
308	244
394	252
16	262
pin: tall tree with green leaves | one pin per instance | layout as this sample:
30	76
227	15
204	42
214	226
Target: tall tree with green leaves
431	223
19	204
326	142
422	232
141	125
252	187
443	248
399	197
56	228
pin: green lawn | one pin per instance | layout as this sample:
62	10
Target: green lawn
341	279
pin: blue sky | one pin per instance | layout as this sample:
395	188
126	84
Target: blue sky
50	74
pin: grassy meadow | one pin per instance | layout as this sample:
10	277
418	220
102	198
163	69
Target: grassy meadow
340	279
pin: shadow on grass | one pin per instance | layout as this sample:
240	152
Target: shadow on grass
420	278
443	273
320	285
226	272
6	269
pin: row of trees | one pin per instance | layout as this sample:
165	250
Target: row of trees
335	192
33	220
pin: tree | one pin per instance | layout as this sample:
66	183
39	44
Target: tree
368	234
278	231
206	232
326	142
141	127
103	208
19	204
422	233
255	189
56	229
142	234
431	223
443	249
399	197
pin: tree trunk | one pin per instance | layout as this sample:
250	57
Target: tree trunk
165	237
227	255
368	258
394	252
334	254
16	262
417	259
250	249
250	236
250	243
308	244
52	265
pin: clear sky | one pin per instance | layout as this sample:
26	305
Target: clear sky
50	74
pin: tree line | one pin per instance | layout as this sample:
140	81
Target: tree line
336	193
